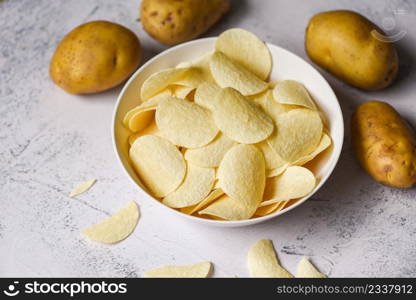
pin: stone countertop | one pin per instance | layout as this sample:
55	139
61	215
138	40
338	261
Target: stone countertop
50	140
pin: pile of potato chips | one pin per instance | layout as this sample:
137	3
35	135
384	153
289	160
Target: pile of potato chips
214	139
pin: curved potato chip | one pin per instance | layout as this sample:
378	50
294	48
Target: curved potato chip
194	188
323	144
159	81
185	123
182	91
246	49
270	107
82	187
272	159
293	92
295	182
193	77
115	228
214	195
226	73
240	119
227	208
307	270
141	119
297	134
242	176
262	261
268	209
151	129
159	164
205	94
210	155
198	270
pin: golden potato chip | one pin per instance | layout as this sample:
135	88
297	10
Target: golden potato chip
213	195
240	119
150	129
226	73
307	270
141	119
194	188
263	262
270	107
181	92
277	171
198	270
159	81
210	155
82	187
246	49
205	94
185	123
323	144
298	132
295	182
241	175
115	228
159	164
293	92
268	209
272	159
193	77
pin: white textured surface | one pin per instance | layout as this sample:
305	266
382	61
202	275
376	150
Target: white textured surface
49	141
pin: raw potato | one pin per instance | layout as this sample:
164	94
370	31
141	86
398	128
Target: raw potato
384	144
344	43
173	22
94	57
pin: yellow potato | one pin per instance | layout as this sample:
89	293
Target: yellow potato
94	57
173	22
344	43
384	144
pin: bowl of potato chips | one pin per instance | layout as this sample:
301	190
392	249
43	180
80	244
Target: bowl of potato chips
228	131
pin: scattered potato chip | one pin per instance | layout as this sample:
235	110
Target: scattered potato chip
150	129
293	92
295	182
198	270
194	188
210	155
323	144
307	270
159	164
246	49
241	176
240	119
205	94
82	187
263	262
226	73
159	81
115	228
272	159
298	133
185	123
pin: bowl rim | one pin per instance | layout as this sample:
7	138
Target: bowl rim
226	223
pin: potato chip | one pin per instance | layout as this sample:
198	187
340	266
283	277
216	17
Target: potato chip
295	182
277	171
194	188
210	155
246	49
115	228
193	77
240	119
241	176
205	94
82	187
180	91
198	270
185	123
159	164
270	107
298	132
268	209
226	73
141	119
307	270
150	129
214	195
263	262
272	159
159	81
323	144
293	92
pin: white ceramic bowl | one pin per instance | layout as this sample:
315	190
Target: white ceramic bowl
286	65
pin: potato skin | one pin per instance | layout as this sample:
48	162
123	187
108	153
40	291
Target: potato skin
172	22
342	43
94	57
384	144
